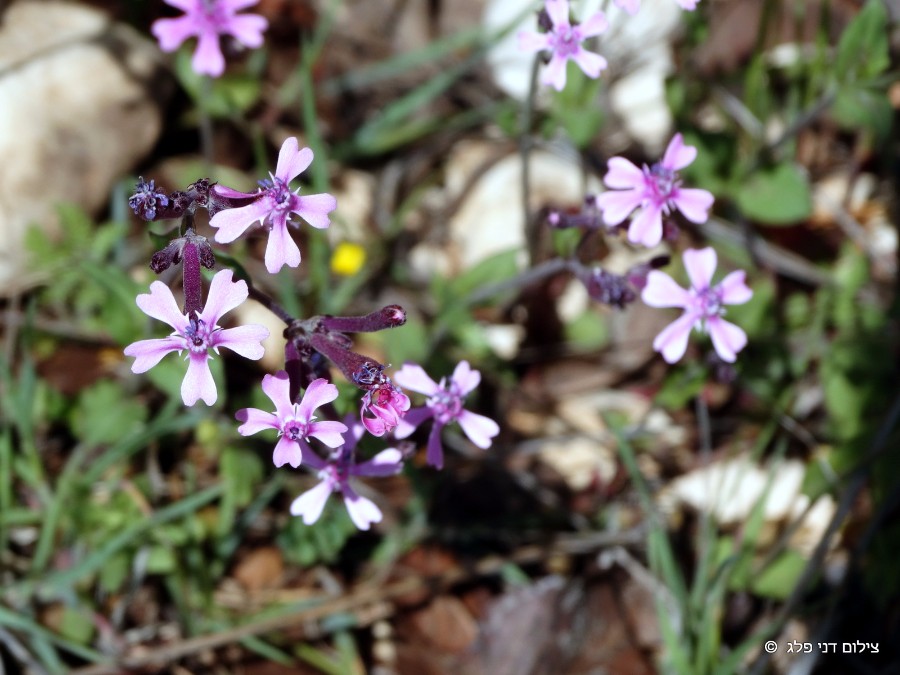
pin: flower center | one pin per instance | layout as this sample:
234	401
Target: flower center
662	182
566	40
709	302
196	336
279	194
295	429
214	13
446	403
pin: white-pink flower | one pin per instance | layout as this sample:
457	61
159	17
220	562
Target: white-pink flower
445	405
335	475
272	207
386	404
656	191
563	41
293	421
703	304
208	20
197	334
632	6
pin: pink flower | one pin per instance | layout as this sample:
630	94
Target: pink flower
655	190
273	205
564	42
208	20
703	306
387	405
632	6
197	334
445	405
335	476
293	421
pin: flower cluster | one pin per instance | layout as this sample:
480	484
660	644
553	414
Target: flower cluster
643	201
301	393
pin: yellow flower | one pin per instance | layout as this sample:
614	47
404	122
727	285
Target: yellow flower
347	259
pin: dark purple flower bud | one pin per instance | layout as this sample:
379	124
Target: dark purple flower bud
363	371
544	21
387	317
610	289
173	252
193	280
146	199
637	275
165	258
670	230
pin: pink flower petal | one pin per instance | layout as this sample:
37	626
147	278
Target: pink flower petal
646	228
148	353
330	433
558	10
208	59
287	451
727	338
555	73
386	463
434	455
314	209
617	205
689	5
672	340
242	340
231	193
734	290
198	382
172	32
363	512
533	42
309	505
465	378
412	376
594	25
480	429
232	6
662	291
281	249
589	62
292	161
411	420
248	29
278	387
694	204
160	304
317	394
188	6
255	420
232	223
700	265
623	174
678	155
630	6
224	295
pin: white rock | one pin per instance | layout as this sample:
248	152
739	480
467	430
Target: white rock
74	116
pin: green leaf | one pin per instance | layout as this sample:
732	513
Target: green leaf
776	196
227	96
858	106
862	52
104	414
73	627
779	578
